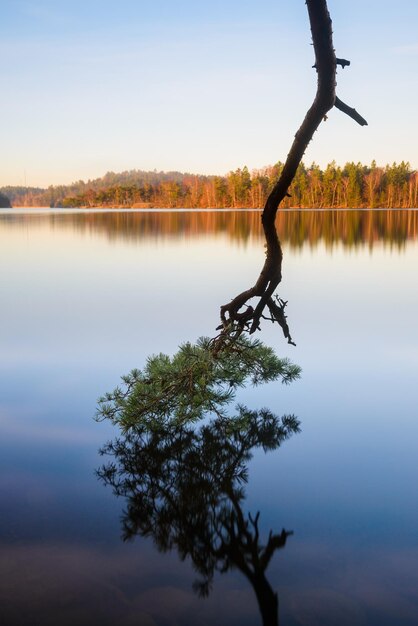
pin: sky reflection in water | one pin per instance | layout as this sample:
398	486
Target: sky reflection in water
86	297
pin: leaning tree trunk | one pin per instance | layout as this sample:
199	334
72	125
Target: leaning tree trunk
233	318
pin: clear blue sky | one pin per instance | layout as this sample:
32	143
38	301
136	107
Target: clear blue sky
90	86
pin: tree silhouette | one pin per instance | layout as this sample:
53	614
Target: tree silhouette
184	488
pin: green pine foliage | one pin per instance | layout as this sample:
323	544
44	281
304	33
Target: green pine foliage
199	381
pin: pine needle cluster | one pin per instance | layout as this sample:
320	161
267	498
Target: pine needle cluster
198	381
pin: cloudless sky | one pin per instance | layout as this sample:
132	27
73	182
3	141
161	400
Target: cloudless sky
90	86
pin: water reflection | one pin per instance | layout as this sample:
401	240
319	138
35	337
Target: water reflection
184	484
65	339
351	228
184	488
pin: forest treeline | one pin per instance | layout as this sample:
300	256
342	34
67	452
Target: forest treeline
352	186
4	201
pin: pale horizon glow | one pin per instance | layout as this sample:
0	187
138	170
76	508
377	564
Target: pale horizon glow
91	87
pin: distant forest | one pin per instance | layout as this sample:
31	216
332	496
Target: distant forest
352	186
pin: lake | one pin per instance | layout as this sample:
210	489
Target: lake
88	295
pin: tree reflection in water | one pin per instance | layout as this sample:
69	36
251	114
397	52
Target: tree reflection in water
184	484
184	487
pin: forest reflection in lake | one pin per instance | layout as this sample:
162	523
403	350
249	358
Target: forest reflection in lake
89	295
296	227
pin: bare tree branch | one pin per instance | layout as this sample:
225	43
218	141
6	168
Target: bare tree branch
342	62
275	542
339	104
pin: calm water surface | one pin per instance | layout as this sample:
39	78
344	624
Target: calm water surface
86	296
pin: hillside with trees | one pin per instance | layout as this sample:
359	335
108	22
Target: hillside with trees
4	201
352	186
